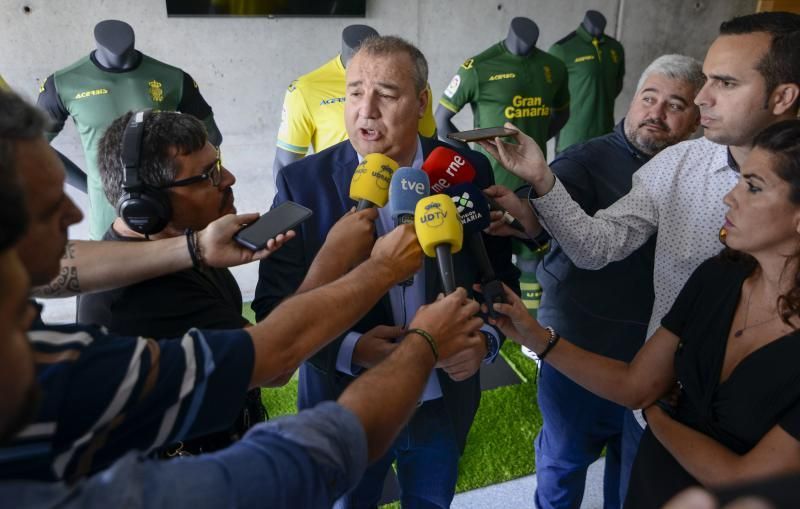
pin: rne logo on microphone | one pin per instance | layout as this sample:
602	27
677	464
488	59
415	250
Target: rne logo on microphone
456	164
434	216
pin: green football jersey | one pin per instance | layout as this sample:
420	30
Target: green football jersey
94	97
596	67
503	87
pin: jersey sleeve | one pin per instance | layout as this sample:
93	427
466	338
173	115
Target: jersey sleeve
297	126
51	103
427	124
561	97
191	100
621	70
463	88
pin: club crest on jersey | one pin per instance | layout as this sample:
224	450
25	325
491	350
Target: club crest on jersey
156	91
292	86
468	63
451	89
91	93
433	216
548	74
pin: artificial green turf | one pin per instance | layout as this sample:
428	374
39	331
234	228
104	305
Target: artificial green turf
500	443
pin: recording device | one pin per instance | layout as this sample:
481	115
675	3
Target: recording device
440	234
446	167
487	133
473	209
370	183
143	208
284	217
408	186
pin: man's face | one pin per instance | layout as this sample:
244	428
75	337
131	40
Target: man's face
661	114
732	101
196	205
17	380
50	210
382	107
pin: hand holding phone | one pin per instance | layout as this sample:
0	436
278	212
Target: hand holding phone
284	217
487	133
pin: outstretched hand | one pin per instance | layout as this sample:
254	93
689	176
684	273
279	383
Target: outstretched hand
221	251
524	159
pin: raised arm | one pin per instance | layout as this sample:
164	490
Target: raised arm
93	266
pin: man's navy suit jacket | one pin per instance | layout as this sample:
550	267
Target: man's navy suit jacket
321	182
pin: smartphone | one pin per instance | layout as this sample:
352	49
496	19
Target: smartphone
486	133
284	217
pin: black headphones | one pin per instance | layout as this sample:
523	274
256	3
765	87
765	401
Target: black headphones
144	209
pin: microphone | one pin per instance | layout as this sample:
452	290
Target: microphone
473	209
370	184
507	218
408	186
446	167
440	234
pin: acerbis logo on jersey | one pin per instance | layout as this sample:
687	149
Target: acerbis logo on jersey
91	93
332	100
451	89
504	76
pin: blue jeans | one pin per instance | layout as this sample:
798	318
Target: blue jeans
427	464
577	425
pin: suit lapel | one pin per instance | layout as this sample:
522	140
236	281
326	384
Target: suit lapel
342	174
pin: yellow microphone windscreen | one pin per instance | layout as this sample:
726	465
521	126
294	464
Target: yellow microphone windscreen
436	221
371	179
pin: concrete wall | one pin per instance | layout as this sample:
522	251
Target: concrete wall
244	64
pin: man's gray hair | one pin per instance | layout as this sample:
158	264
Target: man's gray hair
382	45
676	67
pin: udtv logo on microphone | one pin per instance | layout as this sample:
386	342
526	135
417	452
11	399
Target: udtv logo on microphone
433	216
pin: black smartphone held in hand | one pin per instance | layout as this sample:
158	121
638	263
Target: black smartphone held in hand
282	218
486	133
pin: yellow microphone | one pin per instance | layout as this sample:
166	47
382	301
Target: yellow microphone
370	184
440	234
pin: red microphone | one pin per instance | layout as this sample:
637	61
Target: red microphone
446	167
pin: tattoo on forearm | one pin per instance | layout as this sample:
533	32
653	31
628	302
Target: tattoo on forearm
65	285
69	251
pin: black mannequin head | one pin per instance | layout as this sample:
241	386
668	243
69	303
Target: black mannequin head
115	40
522	36
594	23
352	36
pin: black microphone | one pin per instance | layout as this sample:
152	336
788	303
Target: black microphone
473	209
507	218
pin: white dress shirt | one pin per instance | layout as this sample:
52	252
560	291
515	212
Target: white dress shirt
677	194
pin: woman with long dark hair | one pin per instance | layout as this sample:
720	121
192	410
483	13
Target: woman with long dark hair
719	382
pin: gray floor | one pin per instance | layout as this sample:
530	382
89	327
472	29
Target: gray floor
519	493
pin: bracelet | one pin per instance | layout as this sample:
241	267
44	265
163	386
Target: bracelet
198	250
194	248
429	339
554	337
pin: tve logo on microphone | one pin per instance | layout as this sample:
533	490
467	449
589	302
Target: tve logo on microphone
411	185
433	216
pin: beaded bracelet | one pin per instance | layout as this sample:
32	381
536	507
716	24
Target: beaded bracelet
429	339
554	337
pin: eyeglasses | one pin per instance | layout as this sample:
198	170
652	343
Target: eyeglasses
214	174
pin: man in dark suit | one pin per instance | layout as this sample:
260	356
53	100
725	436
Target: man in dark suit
385	97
